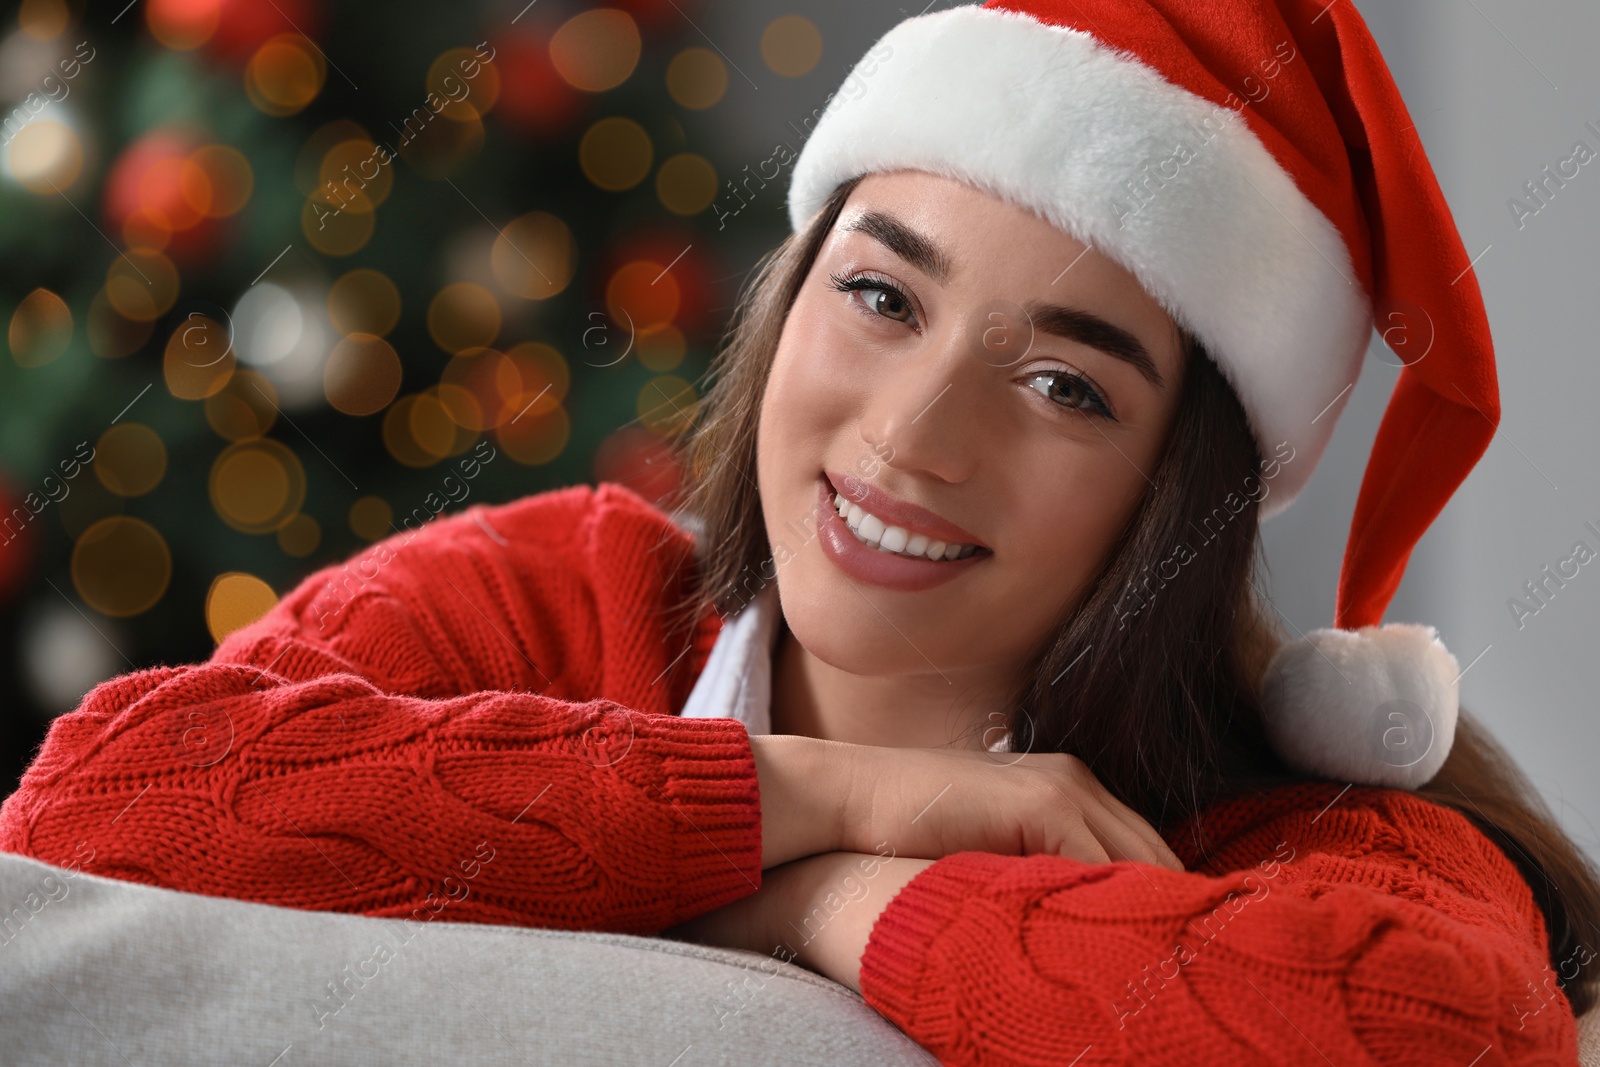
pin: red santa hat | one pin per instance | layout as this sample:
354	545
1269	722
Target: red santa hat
1252	163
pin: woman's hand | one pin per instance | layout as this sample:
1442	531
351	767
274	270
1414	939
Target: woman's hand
932	802
823	796
874	818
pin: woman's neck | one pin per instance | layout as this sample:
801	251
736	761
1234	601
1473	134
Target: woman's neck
814	699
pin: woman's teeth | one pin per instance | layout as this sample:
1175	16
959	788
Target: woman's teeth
874	532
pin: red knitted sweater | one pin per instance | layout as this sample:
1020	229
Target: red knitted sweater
504	675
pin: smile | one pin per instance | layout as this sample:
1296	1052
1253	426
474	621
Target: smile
873	531
873	552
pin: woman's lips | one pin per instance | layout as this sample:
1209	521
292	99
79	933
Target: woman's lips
887	570
900	513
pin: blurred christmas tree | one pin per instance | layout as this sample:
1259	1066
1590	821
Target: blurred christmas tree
280	276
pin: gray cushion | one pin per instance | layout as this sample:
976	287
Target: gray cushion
97	971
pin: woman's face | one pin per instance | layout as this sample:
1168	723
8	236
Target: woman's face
985	367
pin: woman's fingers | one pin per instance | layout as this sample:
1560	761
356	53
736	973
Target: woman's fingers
1125	841
933	803
1149	846
1113	838
1081	841
1120	831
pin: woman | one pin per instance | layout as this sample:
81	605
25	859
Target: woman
1055	796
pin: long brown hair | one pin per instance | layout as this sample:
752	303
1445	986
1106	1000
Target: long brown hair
1153	679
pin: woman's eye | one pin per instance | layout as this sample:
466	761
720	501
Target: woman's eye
889	304
1069	390
878	297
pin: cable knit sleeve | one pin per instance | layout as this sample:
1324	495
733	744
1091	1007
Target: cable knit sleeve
474	715
1371	927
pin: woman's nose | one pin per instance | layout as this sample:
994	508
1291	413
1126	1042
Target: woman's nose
928	406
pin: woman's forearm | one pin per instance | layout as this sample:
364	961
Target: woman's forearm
803	783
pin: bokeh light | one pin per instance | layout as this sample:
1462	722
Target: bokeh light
244	408
41	329
286	333
266	323
482	389
615	154
462	316
791	45
640	460
686	184
662	349
530	380
469	389
362	374
257	485
356	174
165	191
45	157
142	284
533	439
121	566
300	536
543	375
246	24
229	178
399	440
364	301
44	20
182	25
371	518
667	404
235	600
285	74
419	432
199	358
534	256
130	459
338	223
314	151
64	655
468	86
434	430
689	268
534	98
596	50
643	293
175	193
697	78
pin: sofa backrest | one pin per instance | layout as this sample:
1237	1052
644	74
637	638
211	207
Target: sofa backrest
98	971
95	971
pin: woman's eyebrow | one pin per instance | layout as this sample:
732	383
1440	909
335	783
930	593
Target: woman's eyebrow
1090	329
904	242
1073	324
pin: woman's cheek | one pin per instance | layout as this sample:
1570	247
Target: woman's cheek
854	357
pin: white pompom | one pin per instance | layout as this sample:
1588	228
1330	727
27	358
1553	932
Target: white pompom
1374	706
